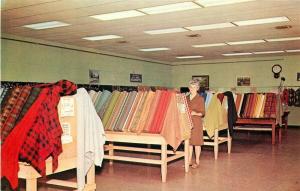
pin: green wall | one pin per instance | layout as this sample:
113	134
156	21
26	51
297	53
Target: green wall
22	61
223	74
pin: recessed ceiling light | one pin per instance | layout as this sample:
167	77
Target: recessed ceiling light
269	52
103	37
211	26
246	42
282	39
208	45
237	54
210	3
46	25
153	49
295	50
170	8
165	31
118	15
261	21
188	57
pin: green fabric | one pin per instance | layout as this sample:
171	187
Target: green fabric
110	108
118	113
97	101
104	101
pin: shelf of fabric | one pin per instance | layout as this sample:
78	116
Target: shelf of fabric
252	121
144	138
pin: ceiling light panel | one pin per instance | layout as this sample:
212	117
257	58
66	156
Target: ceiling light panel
283	39
211	26
210	3
238	54
153	49
269	52
295	50
118	15
246	42
46	25
208	45
170	8
189	57
103	37
165	31
261	21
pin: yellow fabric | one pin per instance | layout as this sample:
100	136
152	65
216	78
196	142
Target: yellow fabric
214	116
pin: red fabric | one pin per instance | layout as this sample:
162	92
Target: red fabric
270	106
220	96
160	113
37	136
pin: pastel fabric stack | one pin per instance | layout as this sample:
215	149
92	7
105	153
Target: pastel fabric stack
132	111
110	108
105	98
124	113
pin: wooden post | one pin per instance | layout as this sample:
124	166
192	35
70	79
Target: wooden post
90	179
229	139
111	152
216	144
31	184
164	162
186	155
279	136
273	133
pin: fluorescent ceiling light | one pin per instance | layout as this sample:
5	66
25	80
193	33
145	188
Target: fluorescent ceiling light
261	21
170	8
46	25
187	57
103	37
269	52
208	45
165	31
296	50
237	54
118	15
210	3
211	26
282	39
246	42
153	49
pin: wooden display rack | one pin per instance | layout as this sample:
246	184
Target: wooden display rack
144	138
67	160
218	140
259	121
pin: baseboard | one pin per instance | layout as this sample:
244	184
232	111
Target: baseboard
294	126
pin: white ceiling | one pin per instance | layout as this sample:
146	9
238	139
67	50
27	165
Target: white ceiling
17	13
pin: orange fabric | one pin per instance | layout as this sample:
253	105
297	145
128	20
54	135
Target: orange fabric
145	112
152	110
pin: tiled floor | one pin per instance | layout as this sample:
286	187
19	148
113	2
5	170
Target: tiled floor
254	164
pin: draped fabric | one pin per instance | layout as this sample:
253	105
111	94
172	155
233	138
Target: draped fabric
38	135
232	114
90	136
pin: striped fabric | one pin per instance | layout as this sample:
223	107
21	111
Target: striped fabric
132	111
124	113
110	108
145	112
104	101
134	125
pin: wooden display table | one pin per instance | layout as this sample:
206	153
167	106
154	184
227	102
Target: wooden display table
258	121
145	138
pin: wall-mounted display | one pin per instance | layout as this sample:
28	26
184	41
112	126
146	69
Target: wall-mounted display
94	76
243	81
136	78
203	80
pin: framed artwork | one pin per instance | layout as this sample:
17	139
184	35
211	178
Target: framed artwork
136	78
243	81
298	76
203	80
94	76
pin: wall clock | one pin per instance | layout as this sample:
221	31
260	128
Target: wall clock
276	69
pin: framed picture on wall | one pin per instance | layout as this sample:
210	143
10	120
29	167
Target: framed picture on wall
243	81
298	76
203	80
94	76
136	78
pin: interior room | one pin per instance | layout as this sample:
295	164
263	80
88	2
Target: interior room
115	78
